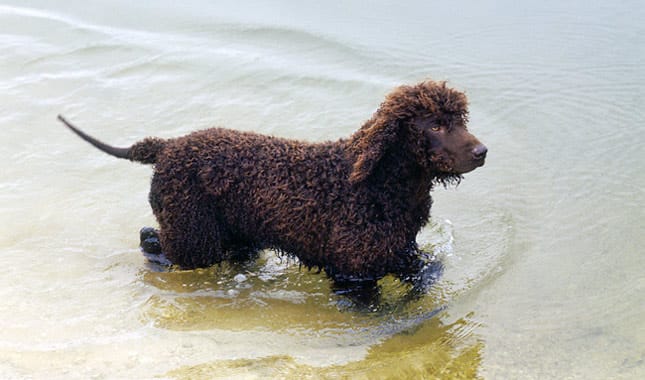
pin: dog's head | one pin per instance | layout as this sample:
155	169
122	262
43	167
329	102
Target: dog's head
428	120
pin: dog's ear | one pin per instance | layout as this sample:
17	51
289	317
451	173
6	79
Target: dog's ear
370	144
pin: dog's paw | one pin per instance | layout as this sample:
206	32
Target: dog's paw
151	247
149	241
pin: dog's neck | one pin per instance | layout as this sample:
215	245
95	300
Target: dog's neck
398	167
408	186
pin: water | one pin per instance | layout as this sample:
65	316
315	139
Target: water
543	246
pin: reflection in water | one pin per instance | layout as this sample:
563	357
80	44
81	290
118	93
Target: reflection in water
403	327
272	284
429	351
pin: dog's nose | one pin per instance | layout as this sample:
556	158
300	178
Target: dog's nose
479	153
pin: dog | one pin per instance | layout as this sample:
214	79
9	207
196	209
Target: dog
351	207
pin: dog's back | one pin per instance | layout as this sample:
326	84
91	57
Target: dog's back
270	191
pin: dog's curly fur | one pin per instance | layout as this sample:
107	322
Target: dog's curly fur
352	207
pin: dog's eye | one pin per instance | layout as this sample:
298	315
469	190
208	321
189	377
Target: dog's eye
436	128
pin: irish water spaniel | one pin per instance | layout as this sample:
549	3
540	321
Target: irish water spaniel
352	207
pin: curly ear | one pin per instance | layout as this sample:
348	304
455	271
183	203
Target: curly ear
370	144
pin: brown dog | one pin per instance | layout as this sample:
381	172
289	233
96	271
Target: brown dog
352	207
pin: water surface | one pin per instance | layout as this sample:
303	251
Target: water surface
542	247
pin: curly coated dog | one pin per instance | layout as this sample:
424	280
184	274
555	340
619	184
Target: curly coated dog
352	207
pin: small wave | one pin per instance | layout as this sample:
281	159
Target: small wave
52	16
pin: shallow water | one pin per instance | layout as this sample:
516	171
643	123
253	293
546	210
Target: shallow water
542	247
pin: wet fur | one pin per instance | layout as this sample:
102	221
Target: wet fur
352	207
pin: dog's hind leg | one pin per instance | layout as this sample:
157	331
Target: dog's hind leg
189	226
149	236
190	242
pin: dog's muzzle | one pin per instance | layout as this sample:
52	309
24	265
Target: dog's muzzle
479	154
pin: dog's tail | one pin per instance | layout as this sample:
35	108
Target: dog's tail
145	151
